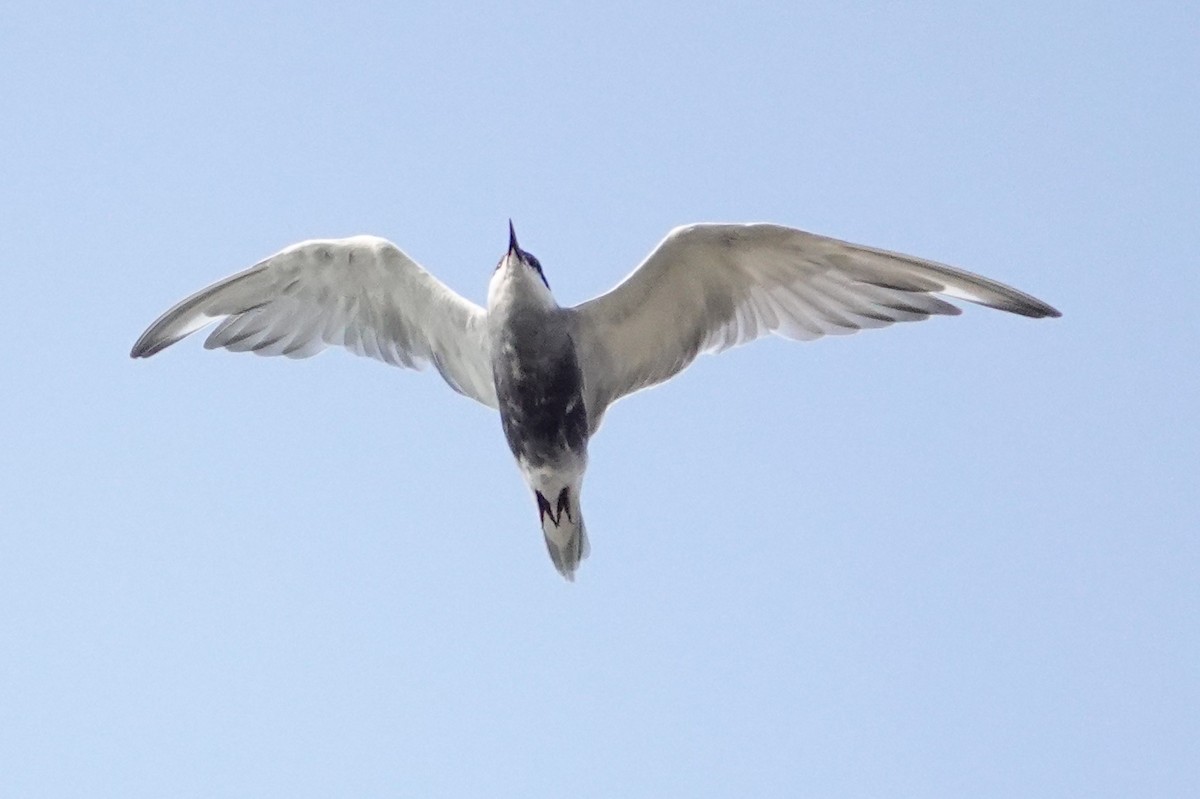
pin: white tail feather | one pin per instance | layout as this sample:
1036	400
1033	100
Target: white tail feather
563	528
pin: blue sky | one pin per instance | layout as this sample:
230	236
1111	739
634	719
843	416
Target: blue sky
956	558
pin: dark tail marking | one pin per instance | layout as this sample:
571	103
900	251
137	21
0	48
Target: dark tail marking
562	505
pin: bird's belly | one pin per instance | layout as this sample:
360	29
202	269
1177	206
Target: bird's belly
541	407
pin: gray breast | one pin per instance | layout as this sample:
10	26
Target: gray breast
539	386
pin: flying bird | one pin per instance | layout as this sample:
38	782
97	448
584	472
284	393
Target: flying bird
551	371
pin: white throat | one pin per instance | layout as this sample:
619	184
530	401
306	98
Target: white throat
517	286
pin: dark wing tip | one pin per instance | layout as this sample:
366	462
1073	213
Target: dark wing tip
1035	310
141	349
151	343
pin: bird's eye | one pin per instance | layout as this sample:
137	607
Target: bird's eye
537	265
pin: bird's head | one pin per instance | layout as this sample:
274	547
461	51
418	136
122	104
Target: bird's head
518	259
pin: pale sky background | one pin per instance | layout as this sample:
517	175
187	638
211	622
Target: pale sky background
958	558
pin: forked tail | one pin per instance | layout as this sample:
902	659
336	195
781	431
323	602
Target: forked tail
562	525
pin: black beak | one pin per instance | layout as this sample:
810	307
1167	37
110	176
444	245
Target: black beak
512	239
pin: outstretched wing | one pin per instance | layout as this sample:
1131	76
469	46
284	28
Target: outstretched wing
709	287
361	293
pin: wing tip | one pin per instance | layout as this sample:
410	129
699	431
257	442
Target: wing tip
1034	309
145	346
160	335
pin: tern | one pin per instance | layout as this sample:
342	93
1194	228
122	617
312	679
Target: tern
551	371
